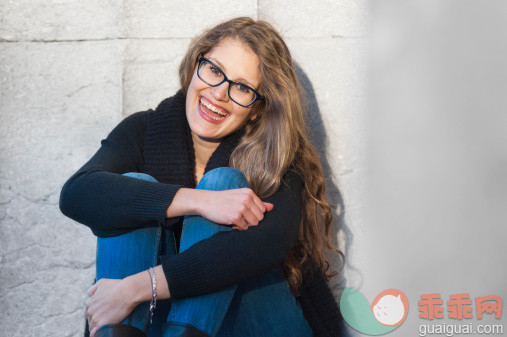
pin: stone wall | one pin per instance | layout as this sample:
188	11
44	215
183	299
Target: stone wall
71	70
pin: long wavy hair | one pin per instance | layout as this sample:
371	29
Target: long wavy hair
277	138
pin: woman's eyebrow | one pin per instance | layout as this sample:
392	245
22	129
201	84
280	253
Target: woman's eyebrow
222	67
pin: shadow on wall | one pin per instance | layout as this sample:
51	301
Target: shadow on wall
319	140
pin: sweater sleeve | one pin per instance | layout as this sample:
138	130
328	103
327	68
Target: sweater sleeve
100	197
318	303
231	257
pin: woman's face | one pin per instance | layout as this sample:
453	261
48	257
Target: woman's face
238	63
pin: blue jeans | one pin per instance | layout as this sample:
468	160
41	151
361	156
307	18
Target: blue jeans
263	306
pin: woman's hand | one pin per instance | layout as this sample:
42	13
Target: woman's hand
110	301
240	207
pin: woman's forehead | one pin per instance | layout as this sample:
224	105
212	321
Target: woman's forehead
237	61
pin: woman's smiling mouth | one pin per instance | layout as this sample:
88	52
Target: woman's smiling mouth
211	112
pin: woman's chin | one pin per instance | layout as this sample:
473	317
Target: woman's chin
206	136
210	139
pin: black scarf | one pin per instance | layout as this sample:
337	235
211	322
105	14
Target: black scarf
168	147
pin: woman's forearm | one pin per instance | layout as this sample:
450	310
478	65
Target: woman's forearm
239	207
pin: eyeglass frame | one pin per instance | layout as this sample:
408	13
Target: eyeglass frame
202	59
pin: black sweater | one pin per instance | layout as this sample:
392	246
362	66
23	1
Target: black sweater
158	142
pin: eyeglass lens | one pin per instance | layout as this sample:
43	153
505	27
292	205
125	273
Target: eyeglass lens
212	75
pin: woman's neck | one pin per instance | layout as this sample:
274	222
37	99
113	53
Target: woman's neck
203	150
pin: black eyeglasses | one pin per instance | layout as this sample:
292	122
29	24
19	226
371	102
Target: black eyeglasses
212	75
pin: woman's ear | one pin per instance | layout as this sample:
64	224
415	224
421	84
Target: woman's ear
254	114
253	117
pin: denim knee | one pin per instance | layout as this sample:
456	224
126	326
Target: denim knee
139	175
223	178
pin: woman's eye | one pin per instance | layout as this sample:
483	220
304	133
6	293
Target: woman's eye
215	70
243	88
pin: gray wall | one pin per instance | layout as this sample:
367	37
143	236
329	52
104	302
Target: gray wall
437	157
71	70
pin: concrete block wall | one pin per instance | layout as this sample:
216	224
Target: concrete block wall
71	70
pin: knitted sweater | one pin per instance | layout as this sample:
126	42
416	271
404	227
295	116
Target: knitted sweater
158	142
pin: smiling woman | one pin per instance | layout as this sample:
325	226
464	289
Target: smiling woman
220	103
212	113
217	229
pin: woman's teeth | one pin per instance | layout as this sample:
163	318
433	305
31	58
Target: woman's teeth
214	109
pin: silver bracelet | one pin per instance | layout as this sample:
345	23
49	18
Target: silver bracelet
153	302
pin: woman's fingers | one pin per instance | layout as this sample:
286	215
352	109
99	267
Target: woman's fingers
92	289
251	218
258	202
91	324
89	314
88	304
236	207
93	331
255	208
257	212
110	303
242	224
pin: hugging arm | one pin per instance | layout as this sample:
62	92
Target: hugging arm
98	196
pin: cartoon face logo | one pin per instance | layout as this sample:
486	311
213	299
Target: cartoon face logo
390	307
387	311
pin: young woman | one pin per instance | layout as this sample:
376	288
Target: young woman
210	211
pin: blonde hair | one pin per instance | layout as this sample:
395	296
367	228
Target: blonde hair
276	138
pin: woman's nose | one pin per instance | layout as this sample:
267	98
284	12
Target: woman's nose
220	91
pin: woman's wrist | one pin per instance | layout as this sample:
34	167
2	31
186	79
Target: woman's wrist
187	201
138	287
200	201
